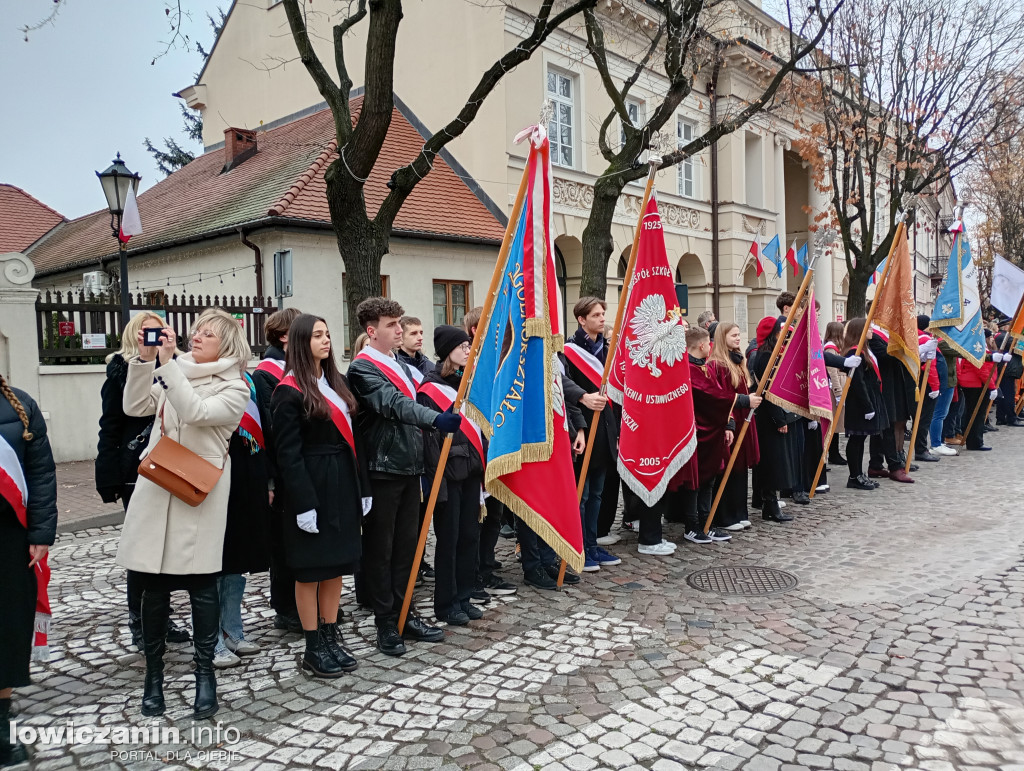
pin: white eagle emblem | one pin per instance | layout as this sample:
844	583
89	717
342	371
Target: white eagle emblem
657	335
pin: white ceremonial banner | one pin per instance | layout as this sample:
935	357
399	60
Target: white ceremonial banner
1007	286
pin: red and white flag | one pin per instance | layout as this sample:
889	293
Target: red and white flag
791	259
755	252
131	224
650	376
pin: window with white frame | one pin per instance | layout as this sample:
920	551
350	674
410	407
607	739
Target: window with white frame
561	129
688	170
637	116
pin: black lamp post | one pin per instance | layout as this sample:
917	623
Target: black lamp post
117	180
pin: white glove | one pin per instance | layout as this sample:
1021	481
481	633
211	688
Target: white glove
367	505
852	362
307	521
993	394
998	357
928	348
812	426
869	416
933	394
484	495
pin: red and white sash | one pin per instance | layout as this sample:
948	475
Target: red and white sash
393	371
831	348
273	367
880	333
14	490
252	424
444	397
585	362
339	410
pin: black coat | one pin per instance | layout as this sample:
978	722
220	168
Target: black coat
898	395
419	361
777	468
122	438
37	465
318	470
247	533
463	459
864	397
265	383
606	443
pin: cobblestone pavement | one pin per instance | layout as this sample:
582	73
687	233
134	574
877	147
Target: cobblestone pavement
901	647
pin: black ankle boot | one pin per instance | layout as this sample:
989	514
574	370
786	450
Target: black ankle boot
317	659
156	610
205	623
12	751
332	640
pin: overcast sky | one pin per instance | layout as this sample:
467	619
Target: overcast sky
83	88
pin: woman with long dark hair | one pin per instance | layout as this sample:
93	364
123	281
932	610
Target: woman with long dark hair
832	348
864	409
324	490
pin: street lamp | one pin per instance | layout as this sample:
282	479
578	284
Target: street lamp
117	180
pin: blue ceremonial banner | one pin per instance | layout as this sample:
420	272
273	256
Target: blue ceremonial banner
957	315
771	253
516	393
801	257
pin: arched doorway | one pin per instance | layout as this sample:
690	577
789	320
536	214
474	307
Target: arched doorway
690	271
569	264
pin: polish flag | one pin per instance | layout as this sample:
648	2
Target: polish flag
755	251
791	258
131	224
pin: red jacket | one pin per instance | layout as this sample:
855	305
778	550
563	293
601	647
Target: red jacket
969	376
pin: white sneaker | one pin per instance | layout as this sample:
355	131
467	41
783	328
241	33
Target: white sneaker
633	525
663	549
608	540
225	659
782	504
746	524
669	543
734	528
241	647
943	449
822	489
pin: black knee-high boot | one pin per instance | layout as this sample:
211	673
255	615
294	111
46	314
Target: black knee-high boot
205	622
12	751
155	612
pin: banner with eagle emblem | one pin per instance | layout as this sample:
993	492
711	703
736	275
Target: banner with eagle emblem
650	376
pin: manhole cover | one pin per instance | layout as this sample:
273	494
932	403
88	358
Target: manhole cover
744	579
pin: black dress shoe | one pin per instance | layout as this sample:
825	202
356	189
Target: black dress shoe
177	634
983	448
454	618
569	579
389	641
417	629
801	498
779	517
539	578
860	483
927	457
288	623
472	611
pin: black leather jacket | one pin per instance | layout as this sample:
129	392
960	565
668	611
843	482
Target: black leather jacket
389	420
37	463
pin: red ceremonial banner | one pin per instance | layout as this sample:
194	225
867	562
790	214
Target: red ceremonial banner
650	375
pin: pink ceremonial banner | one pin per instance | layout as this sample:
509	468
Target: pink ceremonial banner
801	382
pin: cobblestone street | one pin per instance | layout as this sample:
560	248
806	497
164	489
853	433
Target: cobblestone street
902	646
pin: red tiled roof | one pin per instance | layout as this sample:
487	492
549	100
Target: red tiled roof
285	178
23	219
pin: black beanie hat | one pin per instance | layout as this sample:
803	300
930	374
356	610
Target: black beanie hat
447	339
923	321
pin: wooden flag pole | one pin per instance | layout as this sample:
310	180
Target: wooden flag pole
917	415
1005	349
613	342
467	377
900	229
761	386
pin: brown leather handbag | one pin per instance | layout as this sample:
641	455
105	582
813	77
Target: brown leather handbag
178	470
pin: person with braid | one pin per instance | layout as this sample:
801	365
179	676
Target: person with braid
28	526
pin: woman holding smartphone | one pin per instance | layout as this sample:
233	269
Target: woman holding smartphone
324	490
198	400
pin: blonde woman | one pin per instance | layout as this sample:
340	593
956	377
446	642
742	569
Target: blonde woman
122	440
198	400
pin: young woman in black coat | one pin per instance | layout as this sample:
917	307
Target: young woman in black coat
28	526
123	438
324	492
457	516
864	411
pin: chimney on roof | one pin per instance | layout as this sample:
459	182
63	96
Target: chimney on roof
239	145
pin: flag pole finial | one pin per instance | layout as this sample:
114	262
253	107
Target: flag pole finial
907	205
824	240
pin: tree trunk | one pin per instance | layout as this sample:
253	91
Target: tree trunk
361	242
855	300
597	236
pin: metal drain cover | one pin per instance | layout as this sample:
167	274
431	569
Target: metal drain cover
742	579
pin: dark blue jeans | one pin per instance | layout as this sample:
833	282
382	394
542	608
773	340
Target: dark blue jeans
590	507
